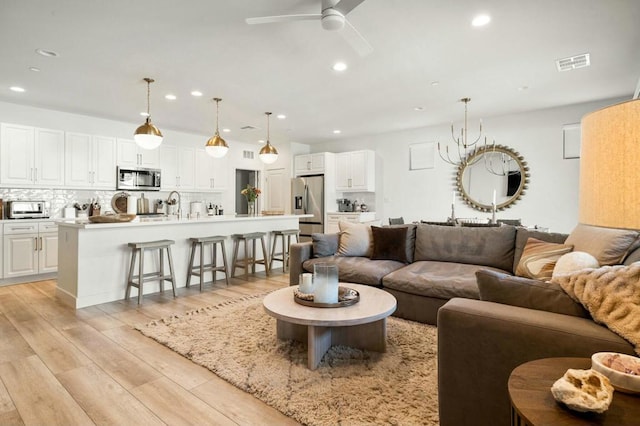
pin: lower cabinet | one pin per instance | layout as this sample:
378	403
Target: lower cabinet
356	217
30	248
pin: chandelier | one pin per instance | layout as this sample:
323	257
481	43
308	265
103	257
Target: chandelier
465	151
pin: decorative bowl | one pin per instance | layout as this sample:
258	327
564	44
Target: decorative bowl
622	370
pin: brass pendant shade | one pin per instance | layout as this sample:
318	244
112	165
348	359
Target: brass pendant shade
216	146
148	136
268	153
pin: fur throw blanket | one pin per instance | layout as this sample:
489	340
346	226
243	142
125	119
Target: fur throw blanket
611	294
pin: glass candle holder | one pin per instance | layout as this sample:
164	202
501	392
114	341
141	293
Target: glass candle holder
325	283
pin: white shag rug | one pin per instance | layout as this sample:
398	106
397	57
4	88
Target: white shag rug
237	341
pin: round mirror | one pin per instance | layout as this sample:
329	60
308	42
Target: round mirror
494	169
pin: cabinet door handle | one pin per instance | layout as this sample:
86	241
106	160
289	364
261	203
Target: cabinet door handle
349	183
40	243
308	165
36	177
35	242
24	228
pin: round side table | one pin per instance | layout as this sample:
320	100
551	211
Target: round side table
533	404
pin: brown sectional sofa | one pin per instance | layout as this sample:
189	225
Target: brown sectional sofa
479	342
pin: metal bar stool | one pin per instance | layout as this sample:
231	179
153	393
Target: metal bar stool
199	270
288	233
137	282
249	255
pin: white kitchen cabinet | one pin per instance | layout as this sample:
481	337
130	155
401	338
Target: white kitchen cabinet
211	173
131	155
355	217
30	248
90	161
310	164
31	156
178	167
355	171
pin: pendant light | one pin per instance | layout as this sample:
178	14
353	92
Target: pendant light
268	153
148	136
216	146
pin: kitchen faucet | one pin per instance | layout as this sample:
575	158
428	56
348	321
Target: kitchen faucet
179	212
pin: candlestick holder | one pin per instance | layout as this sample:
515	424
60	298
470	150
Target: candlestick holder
493	213
453	213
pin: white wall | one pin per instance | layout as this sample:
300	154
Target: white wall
551	200
45	118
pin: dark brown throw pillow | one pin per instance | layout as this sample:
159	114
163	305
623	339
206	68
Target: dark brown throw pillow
389	244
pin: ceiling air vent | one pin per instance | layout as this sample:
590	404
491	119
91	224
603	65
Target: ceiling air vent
248	127
573	62
247	155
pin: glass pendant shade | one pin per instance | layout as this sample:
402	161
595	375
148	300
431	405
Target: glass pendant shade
216	146
148	136
268	153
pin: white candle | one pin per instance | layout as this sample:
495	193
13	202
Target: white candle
306	283
494	197
453	197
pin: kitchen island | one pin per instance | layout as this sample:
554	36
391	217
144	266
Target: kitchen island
93	258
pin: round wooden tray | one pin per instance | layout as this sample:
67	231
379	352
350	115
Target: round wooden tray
346	297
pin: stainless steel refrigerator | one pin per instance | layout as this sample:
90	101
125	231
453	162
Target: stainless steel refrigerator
308	198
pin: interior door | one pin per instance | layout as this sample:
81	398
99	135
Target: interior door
276	189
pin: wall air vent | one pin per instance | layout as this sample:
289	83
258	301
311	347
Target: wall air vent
247	155
573	62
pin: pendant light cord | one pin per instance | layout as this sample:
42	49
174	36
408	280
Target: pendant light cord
268	132
217	111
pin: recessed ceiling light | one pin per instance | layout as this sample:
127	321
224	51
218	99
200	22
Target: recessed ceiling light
337	132
481	20
144	114
16	89
418	108
435	83
196	93
260	140
48	53
339	66
34	69
226	130
281	116
170	97
523	88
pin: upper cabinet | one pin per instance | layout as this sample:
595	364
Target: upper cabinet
178	167
90	161
31	156
310	164
131	155
211	173
355	171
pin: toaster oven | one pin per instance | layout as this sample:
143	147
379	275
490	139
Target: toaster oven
27	210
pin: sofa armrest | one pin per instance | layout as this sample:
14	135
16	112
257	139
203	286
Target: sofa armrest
298	253
480	343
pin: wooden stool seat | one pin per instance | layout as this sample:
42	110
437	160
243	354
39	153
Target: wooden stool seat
138	249
213	267
286	245
250	259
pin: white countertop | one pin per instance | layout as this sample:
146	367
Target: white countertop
166	220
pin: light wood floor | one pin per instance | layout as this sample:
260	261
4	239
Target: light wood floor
60	366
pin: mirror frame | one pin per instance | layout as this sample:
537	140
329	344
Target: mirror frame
524	182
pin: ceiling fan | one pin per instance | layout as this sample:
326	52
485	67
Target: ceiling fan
332	17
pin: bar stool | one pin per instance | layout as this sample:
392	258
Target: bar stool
249	256
199	270
288	233
138	249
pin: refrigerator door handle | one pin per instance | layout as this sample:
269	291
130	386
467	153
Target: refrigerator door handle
306	199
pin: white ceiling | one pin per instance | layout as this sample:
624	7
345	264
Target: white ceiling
106	48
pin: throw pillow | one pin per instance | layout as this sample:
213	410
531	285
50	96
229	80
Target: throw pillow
355	239
411	239
610	246
539	258
574	262
532	294
523	234
389	244
325	244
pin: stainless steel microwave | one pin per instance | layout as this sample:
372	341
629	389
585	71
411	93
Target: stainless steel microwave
138	179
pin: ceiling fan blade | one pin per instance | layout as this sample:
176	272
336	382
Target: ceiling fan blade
355	39
346	6
283	18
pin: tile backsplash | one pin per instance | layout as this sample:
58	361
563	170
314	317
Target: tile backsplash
58	199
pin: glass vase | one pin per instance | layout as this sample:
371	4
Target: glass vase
251	208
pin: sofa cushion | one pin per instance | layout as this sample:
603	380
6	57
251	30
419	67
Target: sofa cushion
389	244
476	246
539	258
355	239
442	280
523	234
411	239
610	246
361	270
526	293
325	244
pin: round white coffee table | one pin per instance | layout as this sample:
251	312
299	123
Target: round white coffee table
362	325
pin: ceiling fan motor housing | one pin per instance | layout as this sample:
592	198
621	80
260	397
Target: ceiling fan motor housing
332	20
